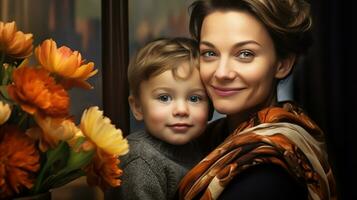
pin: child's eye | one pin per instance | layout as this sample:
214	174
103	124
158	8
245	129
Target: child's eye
195	98
164	98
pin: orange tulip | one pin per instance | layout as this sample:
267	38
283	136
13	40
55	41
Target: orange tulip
103	171
15	43
66	63
36	91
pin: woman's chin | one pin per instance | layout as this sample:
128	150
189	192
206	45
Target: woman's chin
226	109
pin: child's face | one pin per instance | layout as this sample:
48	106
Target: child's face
174	110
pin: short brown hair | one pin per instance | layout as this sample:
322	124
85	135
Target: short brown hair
159	56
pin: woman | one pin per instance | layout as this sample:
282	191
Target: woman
262	149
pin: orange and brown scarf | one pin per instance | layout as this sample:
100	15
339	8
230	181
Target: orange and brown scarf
282	135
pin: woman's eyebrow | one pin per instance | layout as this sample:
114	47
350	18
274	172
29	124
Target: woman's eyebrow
239	44
207	44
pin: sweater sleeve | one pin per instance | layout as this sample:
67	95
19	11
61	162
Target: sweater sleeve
138	182
267	182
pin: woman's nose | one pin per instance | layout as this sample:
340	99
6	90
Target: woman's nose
180	109
224	71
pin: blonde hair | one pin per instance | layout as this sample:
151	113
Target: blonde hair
159	56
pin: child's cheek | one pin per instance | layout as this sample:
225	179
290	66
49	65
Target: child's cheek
158	116
200	115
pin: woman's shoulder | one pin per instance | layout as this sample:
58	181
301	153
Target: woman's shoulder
266	181
291	112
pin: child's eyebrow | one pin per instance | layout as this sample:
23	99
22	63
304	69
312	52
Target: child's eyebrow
172	90
163	88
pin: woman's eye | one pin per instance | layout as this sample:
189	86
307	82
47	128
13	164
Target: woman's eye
245	55
195	98
164	98
208	54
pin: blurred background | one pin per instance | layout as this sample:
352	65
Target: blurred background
73	23
109	32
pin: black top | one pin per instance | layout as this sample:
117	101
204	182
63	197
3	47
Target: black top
268	182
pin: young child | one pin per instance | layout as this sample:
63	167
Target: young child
168	95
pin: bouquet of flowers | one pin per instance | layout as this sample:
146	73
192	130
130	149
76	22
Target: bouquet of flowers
41	147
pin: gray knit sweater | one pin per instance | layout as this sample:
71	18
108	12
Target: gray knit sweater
153	169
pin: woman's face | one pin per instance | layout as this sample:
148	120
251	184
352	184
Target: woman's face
238	63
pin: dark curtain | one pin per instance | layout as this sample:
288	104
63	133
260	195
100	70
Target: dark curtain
326	86
115	61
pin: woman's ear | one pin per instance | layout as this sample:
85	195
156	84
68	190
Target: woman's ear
285	66
135	107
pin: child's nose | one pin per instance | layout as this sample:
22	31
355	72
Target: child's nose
180	109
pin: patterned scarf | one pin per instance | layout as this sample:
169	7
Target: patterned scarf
283	136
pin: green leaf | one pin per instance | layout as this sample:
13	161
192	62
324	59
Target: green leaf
52	156
2	59
7	75
4	93
58	153
72	169
68	178
59	180
79	159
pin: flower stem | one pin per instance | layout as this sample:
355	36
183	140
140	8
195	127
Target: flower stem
2	70
38	183
3	55
23	119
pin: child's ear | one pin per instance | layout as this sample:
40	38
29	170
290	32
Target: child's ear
135	107
285	66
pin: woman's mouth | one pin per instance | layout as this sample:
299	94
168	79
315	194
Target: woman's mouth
225	92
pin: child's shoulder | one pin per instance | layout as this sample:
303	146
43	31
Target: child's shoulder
137	136
141	148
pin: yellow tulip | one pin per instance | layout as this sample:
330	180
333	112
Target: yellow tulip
102	133
64	62
15	43
5	112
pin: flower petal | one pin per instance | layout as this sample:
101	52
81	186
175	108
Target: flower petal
101	132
